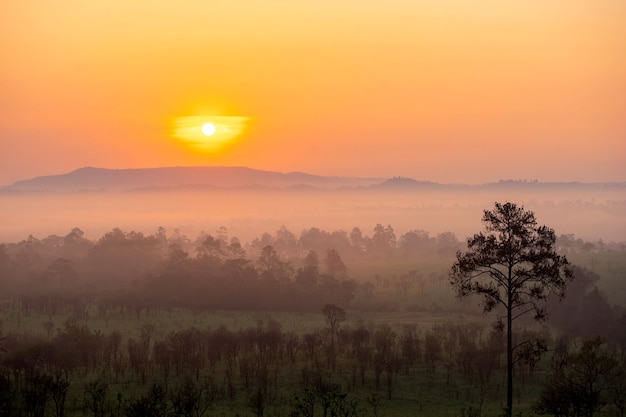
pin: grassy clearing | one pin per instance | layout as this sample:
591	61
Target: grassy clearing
418	390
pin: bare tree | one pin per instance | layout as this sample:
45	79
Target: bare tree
334	317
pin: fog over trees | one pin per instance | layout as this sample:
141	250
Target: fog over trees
368	325
251	202
273	271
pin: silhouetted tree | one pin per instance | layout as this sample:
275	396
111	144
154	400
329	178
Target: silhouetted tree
585	312
76	245
211	248
385	356
177	259
357	241
58	391
234	250
410	346
432	349
513	265
581	383
415	242
335	266
447	244
59	275
272	268
286	243
97	398
192	400
309	274
152	404
334	317
383	241
8	394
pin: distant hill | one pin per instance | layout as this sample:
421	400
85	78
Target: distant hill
398	183
170	178
403	183
94	179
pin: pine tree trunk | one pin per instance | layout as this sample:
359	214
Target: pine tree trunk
509	355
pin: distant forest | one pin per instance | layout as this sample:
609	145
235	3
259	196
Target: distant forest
280	271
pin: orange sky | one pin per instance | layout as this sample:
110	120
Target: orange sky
441	90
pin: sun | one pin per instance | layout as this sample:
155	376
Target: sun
208	133
208	129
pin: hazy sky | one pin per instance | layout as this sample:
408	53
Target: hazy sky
444	90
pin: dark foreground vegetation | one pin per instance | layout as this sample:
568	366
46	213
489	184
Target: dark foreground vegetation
126	326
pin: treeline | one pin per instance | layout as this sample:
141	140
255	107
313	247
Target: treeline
133	271
279	271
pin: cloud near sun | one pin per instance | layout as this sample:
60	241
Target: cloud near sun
192	131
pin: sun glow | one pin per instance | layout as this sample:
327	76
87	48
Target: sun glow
208	129
208	133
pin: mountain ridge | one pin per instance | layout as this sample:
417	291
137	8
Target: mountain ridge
106	179
133	179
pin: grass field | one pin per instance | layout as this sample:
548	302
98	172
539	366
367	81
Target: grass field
416	391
